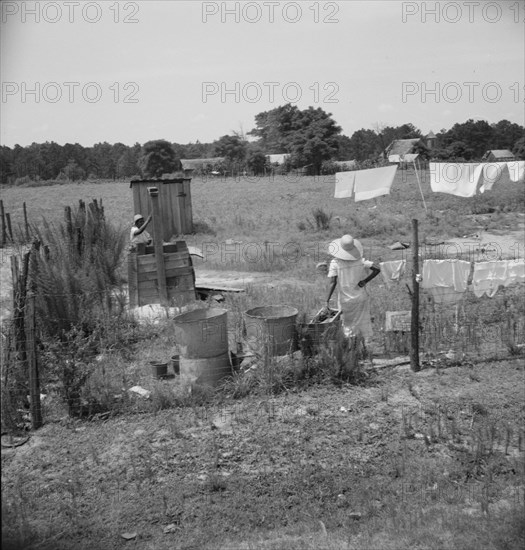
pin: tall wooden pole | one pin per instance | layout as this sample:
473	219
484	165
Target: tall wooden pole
158	242
414	348
31	351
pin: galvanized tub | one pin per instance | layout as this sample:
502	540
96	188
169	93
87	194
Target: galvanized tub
202	342
271	329
202	333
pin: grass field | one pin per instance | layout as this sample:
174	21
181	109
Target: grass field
426	460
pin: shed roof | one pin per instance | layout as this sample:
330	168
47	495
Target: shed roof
499	154
402	146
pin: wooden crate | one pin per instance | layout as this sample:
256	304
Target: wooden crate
143	279
314	335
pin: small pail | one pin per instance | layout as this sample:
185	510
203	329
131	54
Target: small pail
159	369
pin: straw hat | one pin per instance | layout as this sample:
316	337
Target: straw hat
138	217
346	248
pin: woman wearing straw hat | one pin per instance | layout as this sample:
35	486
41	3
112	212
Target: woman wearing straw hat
351	272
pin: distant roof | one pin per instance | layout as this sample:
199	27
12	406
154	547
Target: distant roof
409	157
278	158
430	135
402	146
192	164
343	163
499	154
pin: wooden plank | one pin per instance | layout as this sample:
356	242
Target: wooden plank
170	264
188	207
184	283
170	273
158	231
132	280
218	288
149	259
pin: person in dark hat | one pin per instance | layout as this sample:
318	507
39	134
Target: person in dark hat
138	233
350	273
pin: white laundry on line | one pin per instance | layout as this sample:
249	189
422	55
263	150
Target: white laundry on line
455	178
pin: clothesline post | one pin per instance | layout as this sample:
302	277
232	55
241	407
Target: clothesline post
419	185
414	326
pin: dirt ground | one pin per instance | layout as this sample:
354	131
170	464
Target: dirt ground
216	477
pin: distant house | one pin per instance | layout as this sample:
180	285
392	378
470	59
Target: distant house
397	150
498	155
277	159
345	164
200	165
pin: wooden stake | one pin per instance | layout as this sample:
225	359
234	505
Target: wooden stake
414	349
9	228
158	242
31	351
4	229
26	224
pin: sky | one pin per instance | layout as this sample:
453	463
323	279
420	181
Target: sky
88	72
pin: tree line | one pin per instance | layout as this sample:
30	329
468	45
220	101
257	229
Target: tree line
311	138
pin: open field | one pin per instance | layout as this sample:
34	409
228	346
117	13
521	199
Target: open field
426	460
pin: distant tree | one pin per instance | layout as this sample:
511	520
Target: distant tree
232	148
364	144
73	171
6	167
157	158
458	151
127	164
344	148
477	136
505	134
519	149
273	128
309	136
256	161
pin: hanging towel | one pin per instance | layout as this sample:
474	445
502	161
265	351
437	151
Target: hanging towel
392	271
445	295
446	273
344	184
446	279
516	170
373	183
494	172
516	272
488	276
455	178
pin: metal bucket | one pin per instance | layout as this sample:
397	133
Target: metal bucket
202	333
271	329
207	371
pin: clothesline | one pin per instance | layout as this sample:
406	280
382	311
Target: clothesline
462	181
447	280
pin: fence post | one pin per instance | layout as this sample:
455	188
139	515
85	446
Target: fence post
4	228
26	223
158	242
414	348
9	228
31	352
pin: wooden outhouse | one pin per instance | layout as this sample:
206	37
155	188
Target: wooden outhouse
174	202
